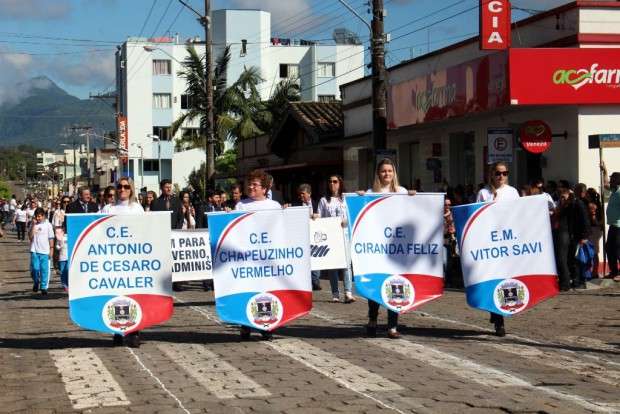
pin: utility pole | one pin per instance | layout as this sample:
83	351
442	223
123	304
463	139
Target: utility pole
205	21
86	131
379	95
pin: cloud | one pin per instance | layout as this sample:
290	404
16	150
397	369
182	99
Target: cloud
15	69
92	69
34	9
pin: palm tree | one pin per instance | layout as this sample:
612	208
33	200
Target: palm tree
275	108
234	107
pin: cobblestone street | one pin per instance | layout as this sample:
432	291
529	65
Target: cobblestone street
561	357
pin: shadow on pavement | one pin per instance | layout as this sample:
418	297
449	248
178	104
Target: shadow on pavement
187	304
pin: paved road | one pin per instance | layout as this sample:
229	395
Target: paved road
561	357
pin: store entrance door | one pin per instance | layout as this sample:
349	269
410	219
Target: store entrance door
462	159
529	167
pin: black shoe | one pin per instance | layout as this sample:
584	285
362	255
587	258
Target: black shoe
267	336
244	331
117	340
564	289
176	286
500	330
43	292
316	286
581	286
133	340
35	287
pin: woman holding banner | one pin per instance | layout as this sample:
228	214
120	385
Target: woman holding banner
386	181
333	205
497	189
126	203
258	184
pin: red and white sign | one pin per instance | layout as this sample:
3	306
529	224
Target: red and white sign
123	136
494	24
564	76
536	136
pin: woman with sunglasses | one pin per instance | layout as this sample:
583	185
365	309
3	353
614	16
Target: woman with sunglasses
126	203
386	181
189	214
109	196
497	189
258	183
332	205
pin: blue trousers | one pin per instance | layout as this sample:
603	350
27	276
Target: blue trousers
40	269
64	273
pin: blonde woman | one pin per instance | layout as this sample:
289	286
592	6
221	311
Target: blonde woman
497	189
386	181
126	203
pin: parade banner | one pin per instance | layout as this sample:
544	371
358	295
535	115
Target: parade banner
119	271
506	254
327	244
261	266
191	255
397	248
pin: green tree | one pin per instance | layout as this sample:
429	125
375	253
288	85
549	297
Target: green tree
234	107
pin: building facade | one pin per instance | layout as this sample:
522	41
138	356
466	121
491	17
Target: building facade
152	96
443	105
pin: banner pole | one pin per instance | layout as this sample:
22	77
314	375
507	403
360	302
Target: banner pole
600	161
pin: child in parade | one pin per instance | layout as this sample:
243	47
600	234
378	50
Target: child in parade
126	203
497	189
258	184
333	205
386	181
41	236
63	269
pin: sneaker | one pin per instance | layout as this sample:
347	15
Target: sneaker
176	286
371	328
316	286
349	298
244	331
335	299
43	292
393	333
133	340
500	330
35	287
117	340
267	336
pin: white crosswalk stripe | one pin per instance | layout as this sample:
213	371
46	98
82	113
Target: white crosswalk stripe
87	381
481	374
219	377
555	360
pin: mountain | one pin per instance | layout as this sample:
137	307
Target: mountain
44	111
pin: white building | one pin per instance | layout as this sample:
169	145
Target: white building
152	96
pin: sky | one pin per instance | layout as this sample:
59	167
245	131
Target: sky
73	41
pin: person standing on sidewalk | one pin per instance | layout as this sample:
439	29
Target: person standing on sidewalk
41	236
497	189
613	220
168	202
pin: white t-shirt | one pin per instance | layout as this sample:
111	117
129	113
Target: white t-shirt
42	234
250	205
13	204
334	208
59	218
61	245
6	208
29	214
399	190
505	192
21	216
123	207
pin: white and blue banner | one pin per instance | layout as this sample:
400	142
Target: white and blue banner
191	255
119	271
327	244
507	254
261	266
397	248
